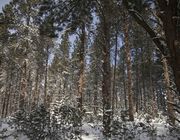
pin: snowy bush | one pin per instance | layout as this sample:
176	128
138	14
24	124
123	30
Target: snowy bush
121	130
131	130
62	123
65	122
34	124
174	131
19	120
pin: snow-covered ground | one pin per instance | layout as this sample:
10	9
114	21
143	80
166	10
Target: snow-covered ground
157	129
9	133
91	132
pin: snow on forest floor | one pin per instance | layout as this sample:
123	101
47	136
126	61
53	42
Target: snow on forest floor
162	132
9	133
93	131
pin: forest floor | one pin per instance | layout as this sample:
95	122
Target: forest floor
156	129
140	129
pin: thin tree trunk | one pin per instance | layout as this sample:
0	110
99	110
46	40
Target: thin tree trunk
95	90
36	94
14	95
124	85
137	83
8	95
7	101
2	103
152	96
46	76
114	77
143	82
5	96
23	86
29	87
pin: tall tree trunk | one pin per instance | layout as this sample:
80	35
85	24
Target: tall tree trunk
106	90
152	95
2	105
9	94
137	83
5	96
114	94
14	95
95	88
124	85
81	70
144	95
46	75
35	92
23	86
129	71
29	87
106	68
170	100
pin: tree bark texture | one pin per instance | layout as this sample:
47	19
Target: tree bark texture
129	71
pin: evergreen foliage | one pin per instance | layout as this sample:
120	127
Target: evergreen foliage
68	64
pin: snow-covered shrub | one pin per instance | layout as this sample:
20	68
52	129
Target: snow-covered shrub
20	120
62	123
65	119
34	124
65	122
131	130
122	130
175	131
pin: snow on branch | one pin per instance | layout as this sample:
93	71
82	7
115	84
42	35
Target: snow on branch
140	20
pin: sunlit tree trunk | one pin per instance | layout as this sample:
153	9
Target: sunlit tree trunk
169	94
81	68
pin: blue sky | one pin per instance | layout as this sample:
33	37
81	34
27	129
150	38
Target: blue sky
2	3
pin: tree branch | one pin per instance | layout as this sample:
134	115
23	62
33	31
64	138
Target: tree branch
139	19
